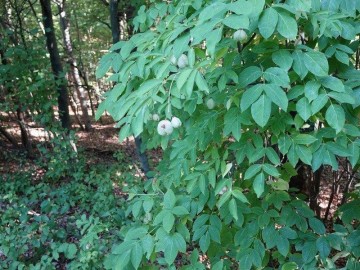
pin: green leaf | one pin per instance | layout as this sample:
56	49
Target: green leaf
316	63
257	7
236	21
319	103
147	243
252	171
289	266
189	85
233	209
124	132
227	169
355	153
333	83
268	22
104	65
232	123
272	156
304	139
240	7
126	49
299	64
283	245
311	90
223	199
204	242
342	97
309	251
277	95
303	108
170	249
136	208
180	211
168	221
135	233
270	170
261	110
293	156
338	149
212	177
200	221
249	75
239	195
284	144
304	153
323	247
277	76
201	83
212	39
191	57
181	45
317	226
219	265
183	77
287	26
71	251
136	255
259	184
283	59
335	117
179	242
250	96
342	57
280	184
213	10
169	199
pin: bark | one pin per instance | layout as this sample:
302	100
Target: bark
25	138
56	64
65	27
114	20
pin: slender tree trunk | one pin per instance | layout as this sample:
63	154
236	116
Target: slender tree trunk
25	138
56	64
114	20
65	27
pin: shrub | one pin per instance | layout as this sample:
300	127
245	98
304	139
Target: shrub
288	93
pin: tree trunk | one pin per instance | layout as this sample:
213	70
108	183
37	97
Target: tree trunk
114	20
25	137
65	27
56	64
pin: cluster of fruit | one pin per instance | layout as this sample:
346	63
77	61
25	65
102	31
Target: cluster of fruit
166	127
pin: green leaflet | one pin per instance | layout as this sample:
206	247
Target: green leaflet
277	95
236	21
283	59
335	117
261	110
316	63
287	26
303	108
249	75
268	22
259	184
